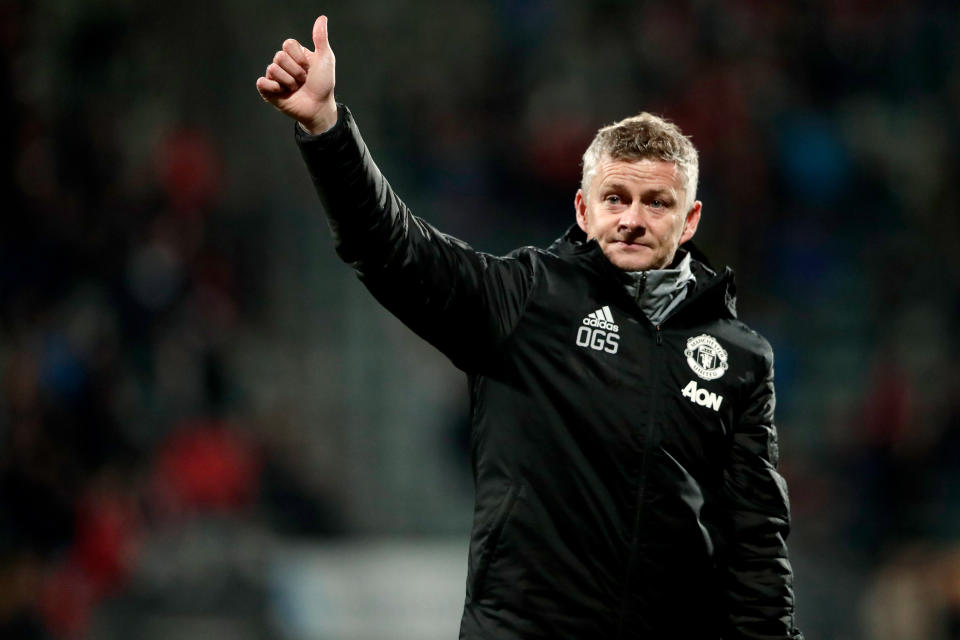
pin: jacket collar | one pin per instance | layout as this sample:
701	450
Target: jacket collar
714	293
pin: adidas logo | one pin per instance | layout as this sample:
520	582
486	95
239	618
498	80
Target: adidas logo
601	318
599	332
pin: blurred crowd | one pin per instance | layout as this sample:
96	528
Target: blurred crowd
123	286
138	262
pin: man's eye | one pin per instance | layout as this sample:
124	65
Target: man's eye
657	204
613	199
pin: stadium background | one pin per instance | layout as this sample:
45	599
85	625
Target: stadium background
208	429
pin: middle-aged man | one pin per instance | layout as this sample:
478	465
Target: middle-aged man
624	452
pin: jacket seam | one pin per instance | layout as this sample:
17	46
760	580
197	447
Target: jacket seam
534	283
488	554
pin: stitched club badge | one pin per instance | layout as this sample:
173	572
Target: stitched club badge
706	357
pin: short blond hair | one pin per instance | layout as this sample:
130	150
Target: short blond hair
644	136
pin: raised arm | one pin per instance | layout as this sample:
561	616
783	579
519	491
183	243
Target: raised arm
462	301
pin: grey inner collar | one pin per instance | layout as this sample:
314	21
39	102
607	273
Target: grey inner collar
659	291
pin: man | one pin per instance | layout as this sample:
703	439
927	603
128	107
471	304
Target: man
624	452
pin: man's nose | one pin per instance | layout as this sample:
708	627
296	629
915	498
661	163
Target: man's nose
632	218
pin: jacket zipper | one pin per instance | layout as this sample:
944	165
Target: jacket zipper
651	429
641	287
655	367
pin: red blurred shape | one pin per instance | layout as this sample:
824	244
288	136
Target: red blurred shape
205	465
190	170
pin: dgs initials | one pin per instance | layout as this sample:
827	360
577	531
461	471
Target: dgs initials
598	339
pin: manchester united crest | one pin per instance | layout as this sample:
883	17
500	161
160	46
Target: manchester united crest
706	357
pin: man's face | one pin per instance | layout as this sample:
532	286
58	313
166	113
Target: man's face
637	212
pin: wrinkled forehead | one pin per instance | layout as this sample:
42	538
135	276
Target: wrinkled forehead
645	171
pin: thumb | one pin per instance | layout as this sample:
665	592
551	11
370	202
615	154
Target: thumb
320	41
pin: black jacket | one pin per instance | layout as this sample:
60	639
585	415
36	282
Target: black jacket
625	474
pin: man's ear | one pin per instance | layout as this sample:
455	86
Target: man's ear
580	204
692	221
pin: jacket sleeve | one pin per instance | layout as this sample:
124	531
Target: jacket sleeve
758	578
462	301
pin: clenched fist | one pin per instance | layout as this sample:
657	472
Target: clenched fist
299	82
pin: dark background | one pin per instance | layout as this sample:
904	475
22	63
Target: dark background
195	394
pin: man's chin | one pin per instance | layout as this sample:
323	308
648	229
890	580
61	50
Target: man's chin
634	261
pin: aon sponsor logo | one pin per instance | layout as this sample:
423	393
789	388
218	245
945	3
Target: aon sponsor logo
599	331
701	396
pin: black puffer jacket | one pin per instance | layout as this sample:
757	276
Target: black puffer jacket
626	482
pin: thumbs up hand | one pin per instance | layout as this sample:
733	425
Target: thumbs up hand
300	82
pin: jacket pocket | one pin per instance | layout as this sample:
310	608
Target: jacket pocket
488	551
